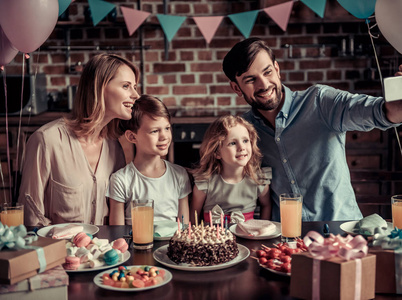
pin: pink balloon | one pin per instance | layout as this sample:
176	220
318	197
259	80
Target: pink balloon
28	23
7	50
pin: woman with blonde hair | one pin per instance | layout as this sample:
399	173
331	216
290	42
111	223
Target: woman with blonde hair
228	178
69	161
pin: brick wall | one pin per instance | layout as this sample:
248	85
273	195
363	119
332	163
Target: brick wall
189	72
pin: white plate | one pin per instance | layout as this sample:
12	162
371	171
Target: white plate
238	232
88	228
98	281
81	268
160	255
162	238
349	226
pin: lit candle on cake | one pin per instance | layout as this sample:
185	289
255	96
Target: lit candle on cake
217	231
196	218
210	218
226	225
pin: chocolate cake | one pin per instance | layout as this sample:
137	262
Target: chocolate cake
202	246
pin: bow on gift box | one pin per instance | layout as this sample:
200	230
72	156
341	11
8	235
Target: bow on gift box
17	237
235	216
335	245
345	247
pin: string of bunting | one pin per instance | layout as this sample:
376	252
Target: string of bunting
208	25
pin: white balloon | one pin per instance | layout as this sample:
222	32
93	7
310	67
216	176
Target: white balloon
388	16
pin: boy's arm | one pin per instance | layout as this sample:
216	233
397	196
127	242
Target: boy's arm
116	213
197	204
183	210
266	204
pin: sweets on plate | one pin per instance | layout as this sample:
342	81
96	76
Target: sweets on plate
71	263
279	257
94	253
135	277
202	246
81	239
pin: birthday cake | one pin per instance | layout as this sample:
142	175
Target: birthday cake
202	246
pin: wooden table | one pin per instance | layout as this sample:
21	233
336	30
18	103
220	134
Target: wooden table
246	280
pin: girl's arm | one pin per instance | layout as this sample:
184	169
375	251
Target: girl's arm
116	213
196	204
183	210
266	204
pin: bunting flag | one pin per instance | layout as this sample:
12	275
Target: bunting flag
361	9
280	14
170	24
133	18
208	26
63	5
99	10
317	6
244	21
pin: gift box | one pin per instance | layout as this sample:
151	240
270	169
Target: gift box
337	278
17	265
385	281
51	284
335	267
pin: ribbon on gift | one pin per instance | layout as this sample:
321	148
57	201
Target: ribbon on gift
235	217
17	238
392	241
335	245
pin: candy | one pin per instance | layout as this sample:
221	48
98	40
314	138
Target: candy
134	278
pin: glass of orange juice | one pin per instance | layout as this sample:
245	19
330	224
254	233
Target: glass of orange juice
291	216
142	220
12	214
396	202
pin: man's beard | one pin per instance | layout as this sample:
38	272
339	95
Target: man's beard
267	105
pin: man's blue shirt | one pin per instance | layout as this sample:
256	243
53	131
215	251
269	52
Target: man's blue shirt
306	150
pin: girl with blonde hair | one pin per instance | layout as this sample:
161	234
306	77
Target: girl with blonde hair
228	178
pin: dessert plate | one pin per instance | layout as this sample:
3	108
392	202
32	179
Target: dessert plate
349	226
160	255
98	281
238	232
83	268
88	228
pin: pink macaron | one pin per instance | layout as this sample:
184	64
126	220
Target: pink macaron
81	239
71	263
120	244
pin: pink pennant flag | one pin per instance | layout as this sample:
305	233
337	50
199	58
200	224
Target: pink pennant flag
133	18
280	14
208	26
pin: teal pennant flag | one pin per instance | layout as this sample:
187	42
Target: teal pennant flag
244	21
170	24
317	6
361	9
99	10
63	5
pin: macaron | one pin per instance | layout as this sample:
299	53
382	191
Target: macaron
120	244
71	263
111	257
81	239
